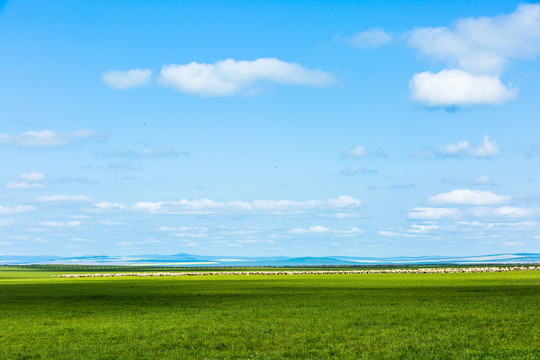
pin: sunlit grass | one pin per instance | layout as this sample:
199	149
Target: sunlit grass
371	316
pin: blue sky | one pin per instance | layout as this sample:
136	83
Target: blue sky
373	128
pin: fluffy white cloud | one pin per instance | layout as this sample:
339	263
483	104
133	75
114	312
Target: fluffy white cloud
477	49
31	181
6	222
110	223
342	201
343	215
482	212
317	229
420	229
320	230
469	197
352	231
229	77
414	232
360	152
33	176
488	148
482	180
430	213
449	88
513	226
357	152
63	199
512	211
371	38
182	228
483	45
48	138
208	206
387	233
127	79
502	212
108	206
60	224
16	210
76	239
23	185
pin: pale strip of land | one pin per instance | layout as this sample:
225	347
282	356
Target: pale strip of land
314	272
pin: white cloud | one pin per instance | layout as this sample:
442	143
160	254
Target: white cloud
357	152
63	199
16	210
430	213
478	49
371	38
60	224
513	243
387	233
208	206
352	231
104	205
76	239
454	87
503	212
469	197
196	229
31	181
6	222
341	215
190	235
139	242
343	201
317	229
110	223
33	176
514	226
511	211
483	45
416	230
23	185
320	230
482	180
488	148
48	138
229	77
127	79
420	229
79	216
360	152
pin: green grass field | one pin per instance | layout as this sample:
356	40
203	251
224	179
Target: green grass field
370	316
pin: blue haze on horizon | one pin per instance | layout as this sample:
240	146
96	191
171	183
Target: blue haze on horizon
269	128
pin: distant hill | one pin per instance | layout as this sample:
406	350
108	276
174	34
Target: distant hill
183	259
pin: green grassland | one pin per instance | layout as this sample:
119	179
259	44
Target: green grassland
368	316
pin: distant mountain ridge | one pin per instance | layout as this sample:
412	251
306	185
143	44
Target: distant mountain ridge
183	259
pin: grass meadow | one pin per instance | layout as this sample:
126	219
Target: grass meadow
368	316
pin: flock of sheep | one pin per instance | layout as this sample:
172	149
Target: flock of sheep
316	272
